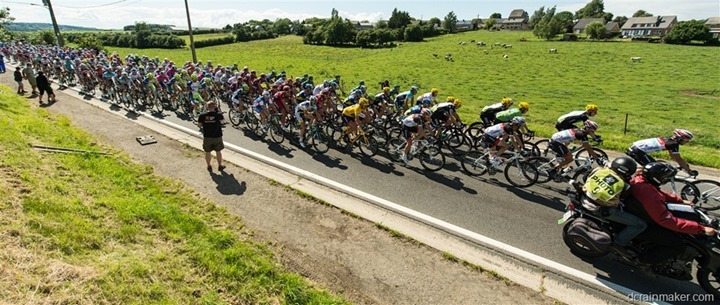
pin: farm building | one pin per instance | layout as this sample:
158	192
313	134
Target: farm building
518	20
714	24
581	24
648	26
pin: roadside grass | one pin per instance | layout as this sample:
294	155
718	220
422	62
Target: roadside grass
99	229
653	92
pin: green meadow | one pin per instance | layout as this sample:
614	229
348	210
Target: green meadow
670	88
101	229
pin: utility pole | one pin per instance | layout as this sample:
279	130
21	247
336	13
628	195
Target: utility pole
59	38
192	42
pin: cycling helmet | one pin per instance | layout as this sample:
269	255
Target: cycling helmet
624	166
519	120
252	72
658	173
396	86
507	102
313	99
591	107
266	94
262	75
413	89
426	111
524	106
591	125
363	103
310	77
207	80
362	83
194	77
334	85
245	68
150	76
683	134
286	88
308	86
337	75
363	88
434	91
450	99
457	103
177	77
386	89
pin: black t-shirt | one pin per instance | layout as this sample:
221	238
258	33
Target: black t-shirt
212	128
18	76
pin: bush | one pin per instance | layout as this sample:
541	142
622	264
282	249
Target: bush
214	41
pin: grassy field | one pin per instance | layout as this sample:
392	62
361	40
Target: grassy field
95	229
668	89
204	37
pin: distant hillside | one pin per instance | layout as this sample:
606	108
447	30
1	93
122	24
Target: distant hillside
32	26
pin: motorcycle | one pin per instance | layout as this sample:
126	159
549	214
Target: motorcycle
587	233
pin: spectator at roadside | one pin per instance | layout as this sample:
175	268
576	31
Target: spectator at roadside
2	63
18	79
44	86
211	124
29	75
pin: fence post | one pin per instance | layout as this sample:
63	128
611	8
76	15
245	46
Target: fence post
626	120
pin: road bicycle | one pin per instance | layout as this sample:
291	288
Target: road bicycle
430	156
579	173
581	153
706	192
363	139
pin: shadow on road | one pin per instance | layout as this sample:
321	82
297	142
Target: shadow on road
329	161
227	184
553	202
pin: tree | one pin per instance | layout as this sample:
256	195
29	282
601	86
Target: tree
282	26
435	21
596	30
5	19
686	31
450	22
47	37
490	23
547	28
90	42
620	20
496	15
398	19
608	16
594	9
642	13
413	33
536	17
563	22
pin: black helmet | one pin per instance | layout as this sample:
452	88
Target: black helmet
658	173
624	166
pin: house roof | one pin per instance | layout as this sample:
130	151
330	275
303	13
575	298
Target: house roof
610	26
583	23
517	13
712	20
659	22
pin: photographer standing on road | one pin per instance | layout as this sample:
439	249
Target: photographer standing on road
211	124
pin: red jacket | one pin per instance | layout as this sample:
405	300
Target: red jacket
653	201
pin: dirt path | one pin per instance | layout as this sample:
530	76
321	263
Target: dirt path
344	254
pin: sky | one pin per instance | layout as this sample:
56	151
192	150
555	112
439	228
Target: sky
114	14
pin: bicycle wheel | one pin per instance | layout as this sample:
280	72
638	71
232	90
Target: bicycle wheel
542	166
432	158
234	117
474	132
521	174
544	148
583	154
395	149
531	148
320	141
368	145
157	102
174	102
709	194
459	144
276	133
473	164
381	137
251	121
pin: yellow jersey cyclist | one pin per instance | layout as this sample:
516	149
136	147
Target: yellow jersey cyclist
488	113
568	120
414	124
352	116
559	141
496	137
639	150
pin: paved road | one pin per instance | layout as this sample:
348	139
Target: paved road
523	218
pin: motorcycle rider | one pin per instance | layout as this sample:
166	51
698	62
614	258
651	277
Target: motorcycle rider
648	201
606	186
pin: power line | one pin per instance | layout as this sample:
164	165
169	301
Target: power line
96	6
28	3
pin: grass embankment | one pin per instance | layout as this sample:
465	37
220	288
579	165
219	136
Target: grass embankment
653	92
99	229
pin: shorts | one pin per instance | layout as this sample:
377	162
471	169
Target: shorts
210	144
348	119
258	109
489	141
639	156
299	116
487	118
560	126
408	131
560	149
47	89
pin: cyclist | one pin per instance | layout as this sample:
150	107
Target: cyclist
445	114
415	123
497	136
639	150
355	95
568	121
404	99
381	100
236	97
260	105
507	115
352	116
487	115
558	143
305	94
304	112
395	91
429	98
282	100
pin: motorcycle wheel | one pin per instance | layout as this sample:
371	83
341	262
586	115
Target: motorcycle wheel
709	281
577	246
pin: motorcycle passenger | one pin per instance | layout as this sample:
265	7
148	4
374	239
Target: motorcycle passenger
606	186
648	201
558	143
487	115
640	149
